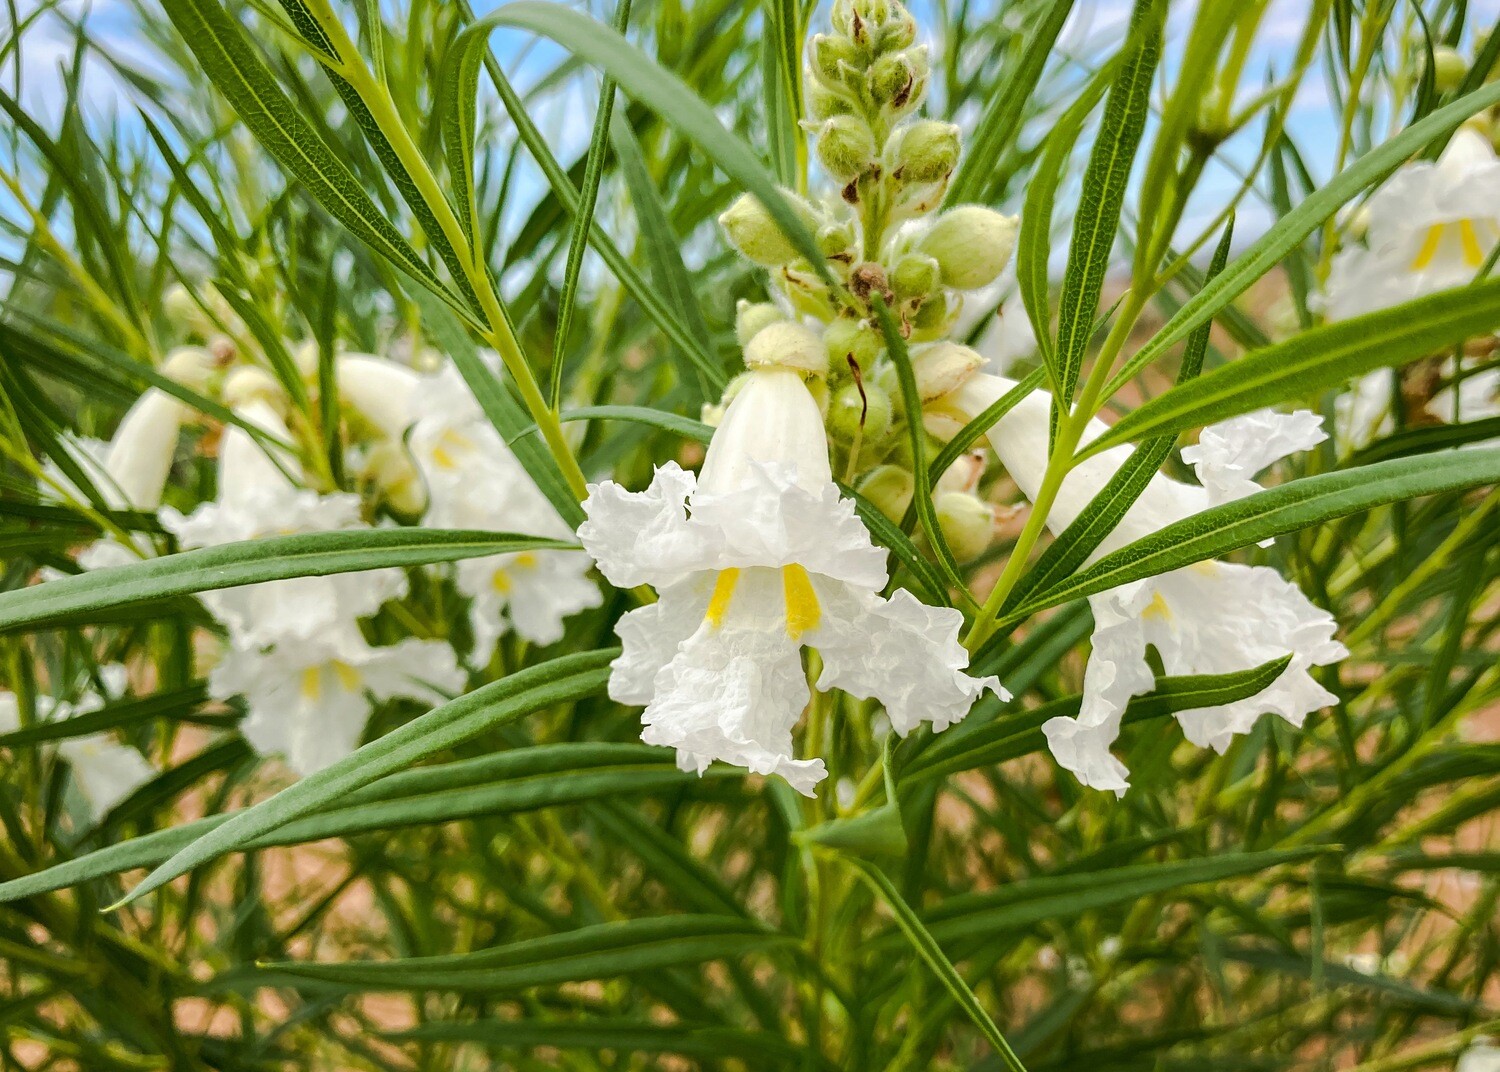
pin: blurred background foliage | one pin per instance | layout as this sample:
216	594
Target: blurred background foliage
1313	899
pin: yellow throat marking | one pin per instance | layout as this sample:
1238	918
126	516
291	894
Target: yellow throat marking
312	679
1158	608
718	603
802	610
1468	237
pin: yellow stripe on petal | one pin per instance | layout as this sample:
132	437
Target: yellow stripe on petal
347	675
312	684
1158	608
802	610
718	604
1473	251
1430	245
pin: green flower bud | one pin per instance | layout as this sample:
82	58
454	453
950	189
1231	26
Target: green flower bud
824	103
915	277
837	241
754	231
899	30
833	57
971	244
852	413
787	345
943	367
1448	68
899	80
847	338
925	151
967	521
846	147
890	488
751	317
935	317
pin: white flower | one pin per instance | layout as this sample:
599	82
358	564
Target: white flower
257	498
1229	454
1431	226
104	771
475	482
309	701
754	560
1362	414
1483	1055
1207	618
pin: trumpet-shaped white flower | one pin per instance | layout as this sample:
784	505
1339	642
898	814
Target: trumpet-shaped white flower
257	497
308	701
474	481
1431	226
1207	618
104	770
755	559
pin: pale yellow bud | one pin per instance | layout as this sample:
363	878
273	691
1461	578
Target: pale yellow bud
751	317
755	232
890	488
971	244
787	345
967	521
943	367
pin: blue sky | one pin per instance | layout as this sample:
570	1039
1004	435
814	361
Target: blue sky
566	121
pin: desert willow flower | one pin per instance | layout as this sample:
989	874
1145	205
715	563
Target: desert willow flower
1431	227
296	651
472	481
754	559
104	771
1208	618
130	471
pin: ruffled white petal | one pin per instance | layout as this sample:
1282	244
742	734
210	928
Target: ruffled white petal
1229	454
733	694
650	636
535	591
898	651
1209	618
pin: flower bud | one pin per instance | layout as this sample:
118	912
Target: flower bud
935	316
247	383
824	103
943	367
755	233
191	366
971	244
926	151
898	31
967	521
853	412
1448	68
890	488
833	57
899	80
787	345
846	147
915	277
837	241
751	317
847	338
180	308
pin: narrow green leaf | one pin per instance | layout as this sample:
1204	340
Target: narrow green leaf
1062	897
622	1036
237	71
1104	184
1004	739
562	680
667	95
583	219
312	554
598	952
999	127
1273	512
917	436
675	423
932	954
1312	361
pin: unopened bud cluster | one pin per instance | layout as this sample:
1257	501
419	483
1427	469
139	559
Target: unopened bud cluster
881	241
